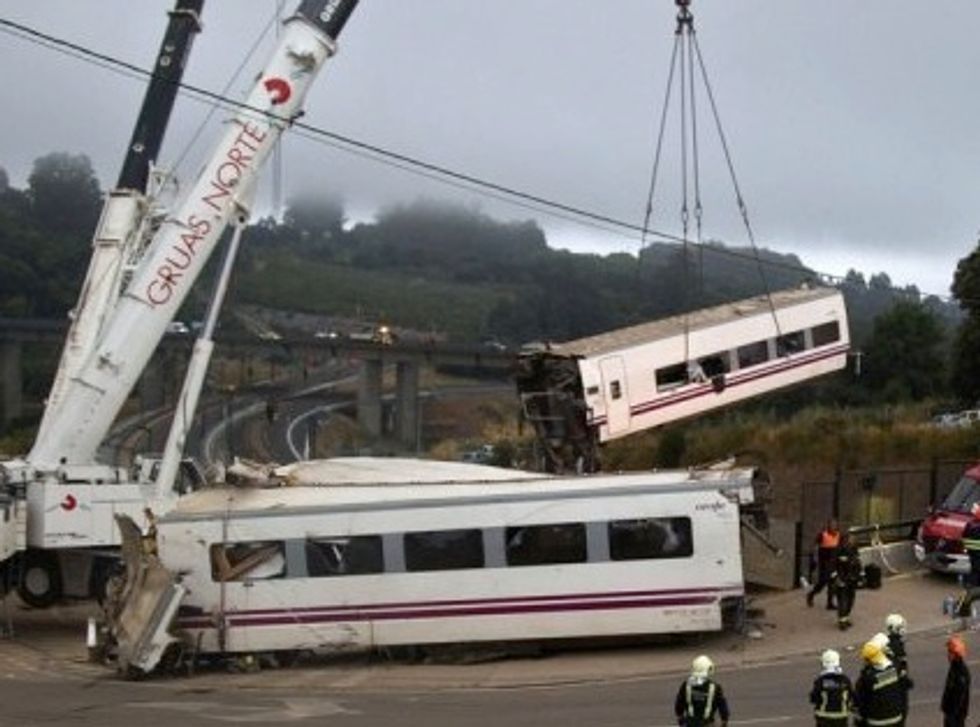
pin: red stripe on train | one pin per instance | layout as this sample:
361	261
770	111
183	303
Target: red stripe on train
732	381
380	613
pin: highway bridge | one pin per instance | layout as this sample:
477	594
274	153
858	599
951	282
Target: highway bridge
160	382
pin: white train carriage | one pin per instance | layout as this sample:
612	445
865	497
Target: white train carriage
440	552
582	393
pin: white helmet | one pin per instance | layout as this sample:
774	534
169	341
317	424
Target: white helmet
895	623
702	667
830	660
880	640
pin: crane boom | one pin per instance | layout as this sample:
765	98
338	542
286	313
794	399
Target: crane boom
164	276
119	225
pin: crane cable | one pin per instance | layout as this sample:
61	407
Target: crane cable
686	46
739	198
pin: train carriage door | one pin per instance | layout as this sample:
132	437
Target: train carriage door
615	393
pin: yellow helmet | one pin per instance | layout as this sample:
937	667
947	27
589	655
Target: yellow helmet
871	652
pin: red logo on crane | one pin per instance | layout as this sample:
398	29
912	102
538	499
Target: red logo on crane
69	503
279	90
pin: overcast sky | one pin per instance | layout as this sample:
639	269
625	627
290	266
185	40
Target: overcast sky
855	127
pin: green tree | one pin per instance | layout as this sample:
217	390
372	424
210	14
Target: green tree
64	194
318	219
965	376
905	355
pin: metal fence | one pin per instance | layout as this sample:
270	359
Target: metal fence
873	495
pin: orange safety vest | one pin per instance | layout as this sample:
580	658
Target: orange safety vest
829	539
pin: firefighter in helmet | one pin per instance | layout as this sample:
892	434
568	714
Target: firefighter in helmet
832	692
700	698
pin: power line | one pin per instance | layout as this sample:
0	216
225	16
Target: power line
404	162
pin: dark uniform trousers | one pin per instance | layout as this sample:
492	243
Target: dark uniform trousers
831	700
846	579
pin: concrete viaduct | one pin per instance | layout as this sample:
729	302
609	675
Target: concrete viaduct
408	357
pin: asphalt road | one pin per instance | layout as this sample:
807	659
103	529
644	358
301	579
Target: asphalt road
773	693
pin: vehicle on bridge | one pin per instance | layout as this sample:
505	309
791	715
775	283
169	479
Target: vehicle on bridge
393	552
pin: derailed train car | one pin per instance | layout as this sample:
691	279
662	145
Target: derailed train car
581	394
411	552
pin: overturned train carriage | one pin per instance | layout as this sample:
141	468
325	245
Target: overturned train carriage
411	552
582	393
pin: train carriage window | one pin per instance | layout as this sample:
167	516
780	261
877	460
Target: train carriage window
651	538
354	556
715	364
247	561
826	333
670	377
753	354
790	343
615	390
545	544
443	550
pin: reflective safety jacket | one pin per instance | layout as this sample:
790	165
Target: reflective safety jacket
698	701
831	699
827	543
896	650
880	696
971	536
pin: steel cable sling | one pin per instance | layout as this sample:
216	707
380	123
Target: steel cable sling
686	47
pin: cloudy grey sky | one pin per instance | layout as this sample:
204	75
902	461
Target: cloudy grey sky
855	127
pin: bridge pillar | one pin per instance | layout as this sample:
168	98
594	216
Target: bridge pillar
12	392
369	397
407	403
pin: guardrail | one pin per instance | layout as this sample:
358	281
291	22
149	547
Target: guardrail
885	532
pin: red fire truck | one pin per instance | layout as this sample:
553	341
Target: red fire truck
939	543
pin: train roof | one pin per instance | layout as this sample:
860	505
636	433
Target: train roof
692	321
389	482
394	470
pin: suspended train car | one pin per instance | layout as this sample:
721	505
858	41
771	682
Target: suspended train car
583	393
414	552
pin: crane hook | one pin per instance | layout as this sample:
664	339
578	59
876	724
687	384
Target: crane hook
684	17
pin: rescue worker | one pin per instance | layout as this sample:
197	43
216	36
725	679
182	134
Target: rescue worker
879	693
700	698
832	692
828	540
895	628
846	576
956	695
971	544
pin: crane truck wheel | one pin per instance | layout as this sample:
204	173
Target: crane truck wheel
40	580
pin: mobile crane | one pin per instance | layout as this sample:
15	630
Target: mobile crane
142	268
